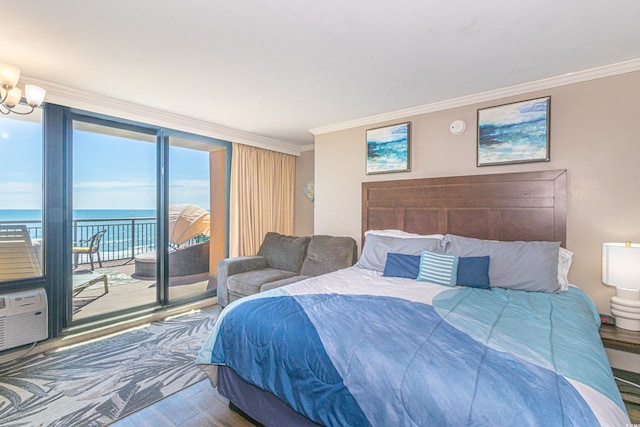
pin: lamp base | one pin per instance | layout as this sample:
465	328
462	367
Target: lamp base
625	306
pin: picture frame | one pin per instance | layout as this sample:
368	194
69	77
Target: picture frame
389	149
517	132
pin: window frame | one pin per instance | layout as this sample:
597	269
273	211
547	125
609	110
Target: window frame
57	132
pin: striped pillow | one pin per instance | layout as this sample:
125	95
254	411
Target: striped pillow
438	268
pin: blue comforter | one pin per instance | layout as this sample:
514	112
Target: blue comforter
353	351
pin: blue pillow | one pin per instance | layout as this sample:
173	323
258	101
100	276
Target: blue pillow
438	268
474	272
402	265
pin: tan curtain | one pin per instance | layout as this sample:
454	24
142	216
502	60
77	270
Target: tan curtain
262	186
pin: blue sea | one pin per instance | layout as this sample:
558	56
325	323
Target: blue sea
36	214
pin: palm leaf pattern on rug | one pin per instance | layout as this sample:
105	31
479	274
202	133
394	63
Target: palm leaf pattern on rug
100	382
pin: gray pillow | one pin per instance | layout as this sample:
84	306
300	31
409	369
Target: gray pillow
284	252
525	266
376	248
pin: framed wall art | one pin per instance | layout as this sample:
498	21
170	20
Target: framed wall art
514	133
389	149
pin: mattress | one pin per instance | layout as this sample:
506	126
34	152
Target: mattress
356	348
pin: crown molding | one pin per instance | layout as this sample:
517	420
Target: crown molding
74	98
548	83
309	147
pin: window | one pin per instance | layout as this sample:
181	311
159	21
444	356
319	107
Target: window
21	197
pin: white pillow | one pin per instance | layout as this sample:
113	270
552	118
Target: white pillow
376	248
565	257
401	234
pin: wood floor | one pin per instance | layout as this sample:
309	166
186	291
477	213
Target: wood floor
197	406
200	406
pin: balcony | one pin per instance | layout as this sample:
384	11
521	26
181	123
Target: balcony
128	290
124	239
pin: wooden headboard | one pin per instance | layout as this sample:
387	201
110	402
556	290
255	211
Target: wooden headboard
512	206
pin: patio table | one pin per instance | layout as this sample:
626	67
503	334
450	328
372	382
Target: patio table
82	281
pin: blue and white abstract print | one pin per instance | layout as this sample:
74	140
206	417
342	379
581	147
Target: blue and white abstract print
514	133
388	149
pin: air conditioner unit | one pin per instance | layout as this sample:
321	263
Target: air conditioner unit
23	318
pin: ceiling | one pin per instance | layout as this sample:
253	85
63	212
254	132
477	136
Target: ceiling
279	68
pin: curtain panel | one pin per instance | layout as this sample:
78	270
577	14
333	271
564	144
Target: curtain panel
261	200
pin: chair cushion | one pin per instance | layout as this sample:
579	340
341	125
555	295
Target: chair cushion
82	250
327	253
282	282
284	252
249	283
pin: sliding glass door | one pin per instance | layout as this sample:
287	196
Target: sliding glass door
114	223
197	215
148	219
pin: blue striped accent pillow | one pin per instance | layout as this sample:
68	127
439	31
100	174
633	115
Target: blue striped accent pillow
438	268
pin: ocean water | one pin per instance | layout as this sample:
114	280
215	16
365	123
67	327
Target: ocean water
36	214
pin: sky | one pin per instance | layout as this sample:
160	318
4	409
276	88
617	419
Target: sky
109	172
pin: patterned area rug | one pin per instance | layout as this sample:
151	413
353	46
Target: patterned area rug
100	382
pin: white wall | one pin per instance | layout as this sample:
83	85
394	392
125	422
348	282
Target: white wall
303	207
595	135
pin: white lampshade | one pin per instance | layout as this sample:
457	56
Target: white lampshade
13	97
34	94
621	265
9	75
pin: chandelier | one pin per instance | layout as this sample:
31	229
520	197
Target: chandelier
11	94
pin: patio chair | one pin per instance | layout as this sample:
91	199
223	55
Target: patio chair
17	257
88	247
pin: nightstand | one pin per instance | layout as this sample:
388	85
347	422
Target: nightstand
628	342
620	339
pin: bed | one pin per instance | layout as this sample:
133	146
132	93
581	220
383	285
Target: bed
458	312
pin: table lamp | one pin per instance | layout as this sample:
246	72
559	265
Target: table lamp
621	268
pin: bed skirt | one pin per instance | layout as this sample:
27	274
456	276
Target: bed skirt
258	404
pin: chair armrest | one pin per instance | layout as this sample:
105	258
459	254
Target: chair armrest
230	266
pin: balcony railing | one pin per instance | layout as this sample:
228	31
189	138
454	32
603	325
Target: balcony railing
124	238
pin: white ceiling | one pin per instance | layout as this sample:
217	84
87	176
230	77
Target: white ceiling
281	67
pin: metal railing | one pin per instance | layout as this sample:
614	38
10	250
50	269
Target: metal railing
124	238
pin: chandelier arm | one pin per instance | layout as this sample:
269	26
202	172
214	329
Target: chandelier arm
3	112
20	113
